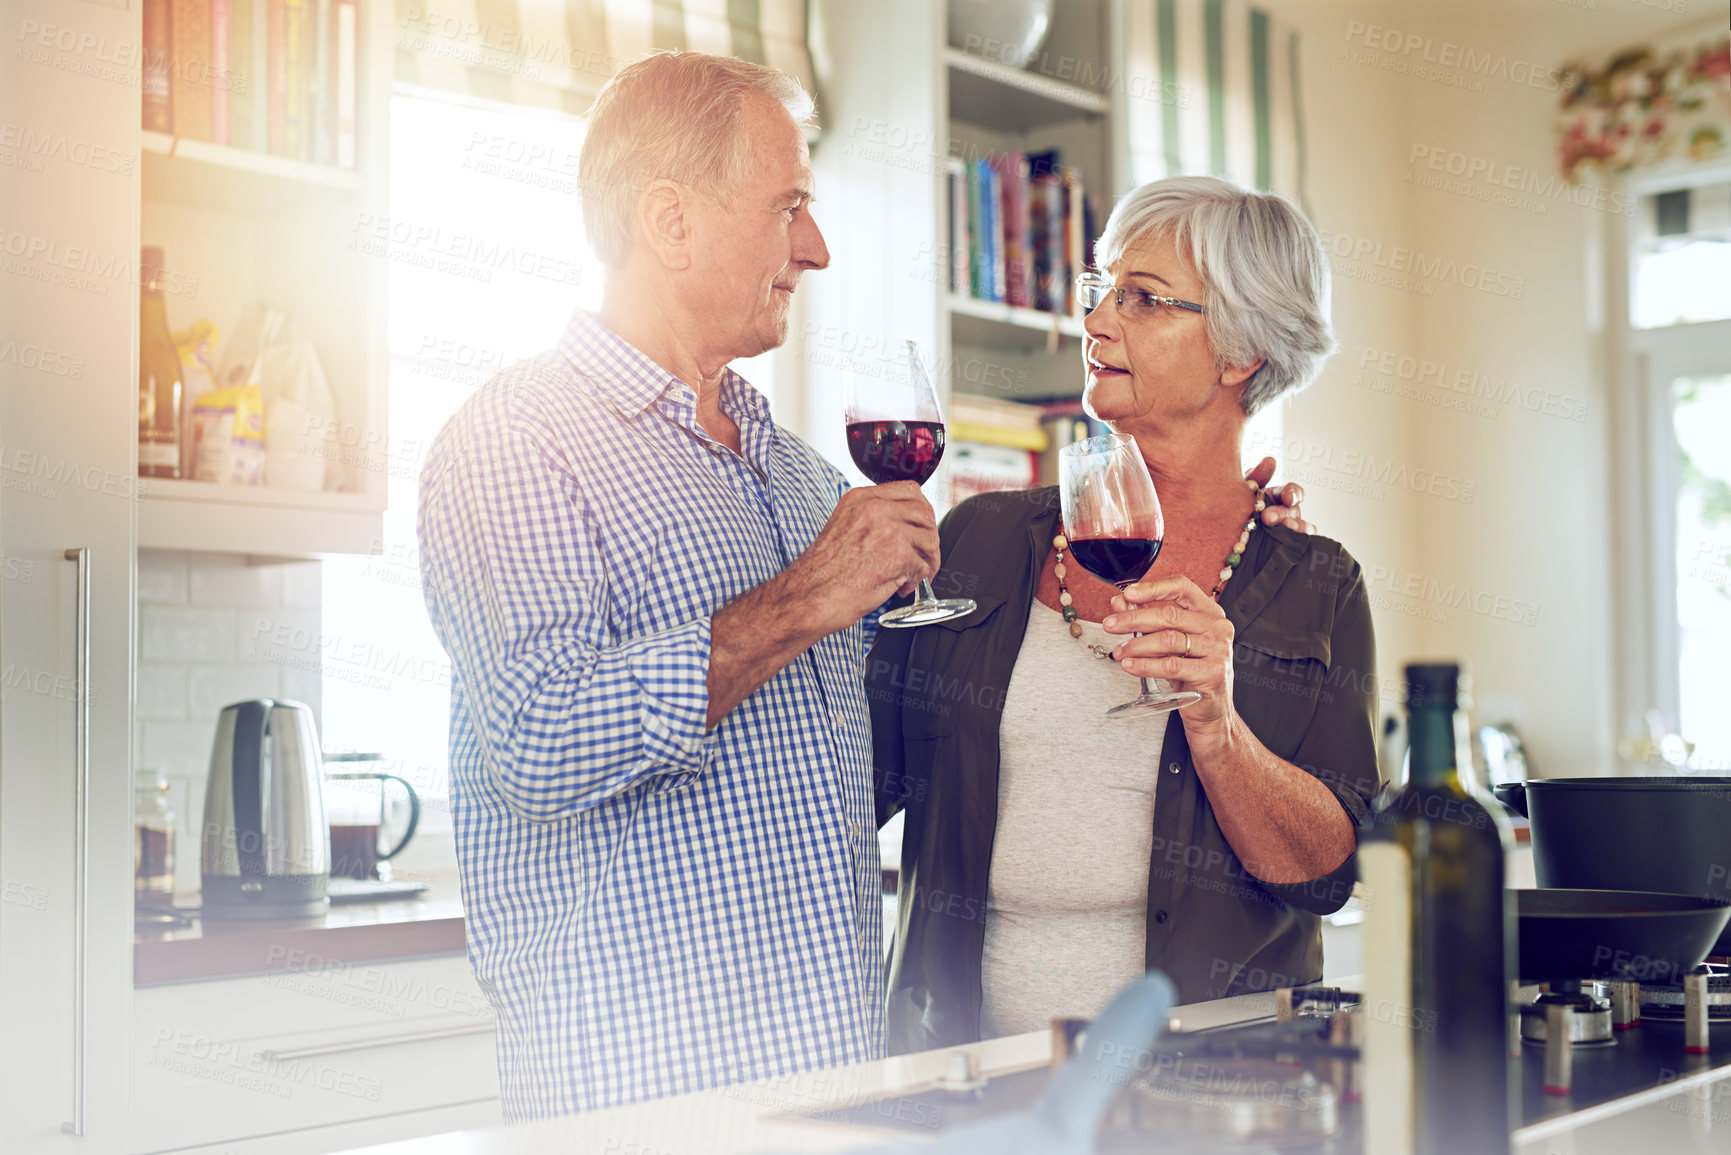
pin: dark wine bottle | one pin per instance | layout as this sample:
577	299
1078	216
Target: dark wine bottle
159	382
1439	944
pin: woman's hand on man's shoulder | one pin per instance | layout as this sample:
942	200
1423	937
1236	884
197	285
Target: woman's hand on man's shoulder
1283	502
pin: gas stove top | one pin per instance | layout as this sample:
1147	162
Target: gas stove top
1291	1082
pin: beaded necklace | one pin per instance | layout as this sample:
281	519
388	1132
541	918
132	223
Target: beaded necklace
1233	559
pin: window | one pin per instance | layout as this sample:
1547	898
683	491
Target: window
1701	425
488	261
1673	433
1683	257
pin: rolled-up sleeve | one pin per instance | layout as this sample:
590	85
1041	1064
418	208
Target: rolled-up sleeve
516	587
1339	749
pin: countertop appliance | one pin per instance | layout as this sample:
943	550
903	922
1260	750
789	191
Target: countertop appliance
266	845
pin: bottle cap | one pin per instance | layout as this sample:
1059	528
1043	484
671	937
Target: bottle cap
1431	683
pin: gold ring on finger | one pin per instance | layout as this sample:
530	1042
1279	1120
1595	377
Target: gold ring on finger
1186	645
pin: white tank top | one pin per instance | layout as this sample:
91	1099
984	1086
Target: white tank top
1067	897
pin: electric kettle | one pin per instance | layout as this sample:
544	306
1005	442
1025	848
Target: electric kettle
266	847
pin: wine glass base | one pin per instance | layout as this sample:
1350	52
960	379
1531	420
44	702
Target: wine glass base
926	613
1158	703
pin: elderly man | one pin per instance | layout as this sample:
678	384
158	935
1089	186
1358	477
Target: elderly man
657	605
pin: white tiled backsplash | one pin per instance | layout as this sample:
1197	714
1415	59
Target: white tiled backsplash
214	629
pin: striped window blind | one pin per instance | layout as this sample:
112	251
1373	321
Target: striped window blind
558	53
1214	89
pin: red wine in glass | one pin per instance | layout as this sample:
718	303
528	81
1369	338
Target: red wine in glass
888	451
895	432
1118	560
1113	527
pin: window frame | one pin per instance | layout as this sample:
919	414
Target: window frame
1644	476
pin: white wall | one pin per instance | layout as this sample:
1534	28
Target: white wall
1495	549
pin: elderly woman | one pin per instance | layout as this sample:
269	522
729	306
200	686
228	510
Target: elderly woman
1051	854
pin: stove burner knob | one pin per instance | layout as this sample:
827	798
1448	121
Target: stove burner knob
1625	1005
1559	1050
1695	1011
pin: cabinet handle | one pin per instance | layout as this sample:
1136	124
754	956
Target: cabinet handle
291	1053
80	557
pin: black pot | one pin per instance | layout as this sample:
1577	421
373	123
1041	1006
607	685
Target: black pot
1669	835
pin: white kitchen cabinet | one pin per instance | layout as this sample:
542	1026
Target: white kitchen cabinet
245	229
68	428
333	1055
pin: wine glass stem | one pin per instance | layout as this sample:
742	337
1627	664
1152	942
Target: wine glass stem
923	596
1146	689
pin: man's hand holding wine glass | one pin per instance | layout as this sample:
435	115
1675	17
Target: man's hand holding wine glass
881	540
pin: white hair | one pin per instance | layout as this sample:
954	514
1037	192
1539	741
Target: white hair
1261	263
672	115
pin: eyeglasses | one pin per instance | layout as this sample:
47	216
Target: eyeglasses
1092	288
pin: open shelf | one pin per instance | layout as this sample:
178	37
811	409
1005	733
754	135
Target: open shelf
196	172
992	324
199	515
992	93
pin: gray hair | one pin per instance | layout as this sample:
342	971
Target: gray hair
1262	264
672	115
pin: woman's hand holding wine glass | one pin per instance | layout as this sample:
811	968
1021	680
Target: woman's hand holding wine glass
1179	633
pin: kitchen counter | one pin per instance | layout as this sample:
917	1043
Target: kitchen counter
348	932
1689	1115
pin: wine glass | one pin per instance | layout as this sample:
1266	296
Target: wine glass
896	433
1113	523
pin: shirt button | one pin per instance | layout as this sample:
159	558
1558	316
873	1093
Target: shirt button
1160	917
1173	767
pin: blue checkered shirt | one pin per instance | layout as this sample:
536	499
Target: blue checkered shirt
651	909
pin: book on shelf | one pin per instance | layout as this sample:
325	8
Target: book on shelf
973	469
277	76
344	63
189	68
1011	170
960	259
276	71
321	145
217	80
1025	222
994	421
240	73
158	66
979	257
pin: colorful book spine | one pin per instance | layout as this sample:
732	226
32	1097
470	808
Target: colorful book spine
219	77
347	82
960	261
1046	224
158	66
1012	171
276	66
997	234
189	73
259	77
1074	257
295	51
241	79
319	96
980	267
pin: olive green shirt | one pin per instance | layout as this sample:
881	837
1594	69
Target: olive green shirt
1304	665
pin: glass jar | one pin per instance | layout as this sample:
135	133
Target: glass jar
153	844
